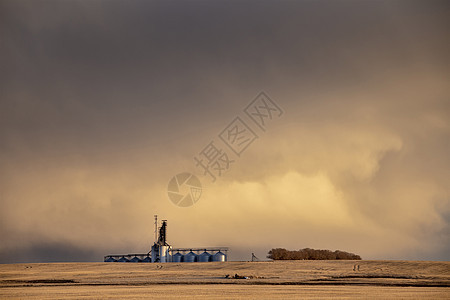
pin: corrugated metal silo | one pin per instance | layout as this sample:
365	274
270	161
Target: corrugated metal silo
190	257
155	251
204	257
177	257
135	259
110	259
163	254
219	256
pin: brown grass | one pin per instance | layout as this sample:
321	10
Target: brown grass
279	279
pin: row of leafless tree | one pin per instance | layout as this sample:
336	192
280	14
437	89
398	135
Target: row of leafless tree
310	254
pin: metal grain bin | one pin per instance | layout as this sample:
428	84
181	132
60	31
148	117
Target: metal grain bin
177	257
190	257
110	259
123	259
204	257
147	259
135	259
163	254
219	256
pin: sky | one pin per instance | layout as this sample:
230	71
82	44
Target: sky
103	102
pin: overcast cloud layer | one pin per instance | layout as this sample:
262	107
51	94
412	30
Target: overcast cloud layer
102	102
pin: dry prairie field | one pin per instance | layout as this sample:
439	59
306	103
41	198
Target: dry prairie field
267	280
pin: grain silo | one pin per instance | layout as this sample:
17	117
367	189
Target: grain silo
178	257
204	257
219	256
161	249
190	257
162	252
147	259
135	259
110	259
123	259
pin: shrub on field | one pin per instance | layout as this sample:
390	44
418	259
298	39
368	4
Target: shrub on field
310	254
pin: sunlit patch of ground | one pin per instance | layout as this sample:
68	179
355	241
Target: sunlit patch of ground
281	279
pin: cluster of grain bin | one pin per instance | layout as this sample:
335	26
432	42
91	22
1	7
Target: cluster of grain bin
206	256
164	254
162	251
133	258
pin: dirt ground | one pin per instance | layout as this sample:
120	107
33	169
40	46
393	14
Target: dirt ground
215	280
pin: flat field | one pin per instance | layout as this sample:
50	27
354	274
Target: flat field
271	280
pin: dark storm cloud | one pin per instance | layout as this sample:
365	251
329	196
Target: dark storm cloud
49	252
102	100
152	54
99	64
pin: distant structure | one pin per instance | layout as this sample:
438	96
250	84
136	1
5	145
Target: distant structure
254	258
161	249
162	252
